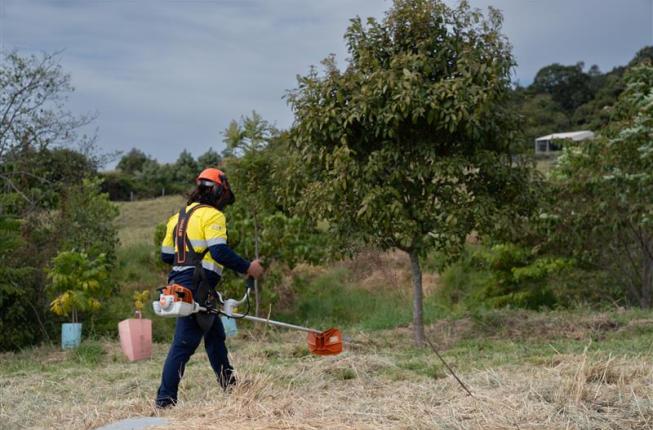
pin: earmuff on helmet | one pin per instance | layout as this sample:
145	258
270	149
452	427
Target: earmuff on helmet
220	189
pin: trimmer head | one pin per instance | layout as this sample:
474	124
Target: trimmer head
328	342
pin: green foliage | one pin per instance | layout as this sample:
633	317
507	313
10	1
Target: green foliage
519	279
78	283
16	301
568	86
139	265
505	275
251	134
564	98
540	115
333	299
86	218
186	168
210	158
38	177
141	299
133	161
255	150
138	270
140	176
118	186
603	211
401	146
50	200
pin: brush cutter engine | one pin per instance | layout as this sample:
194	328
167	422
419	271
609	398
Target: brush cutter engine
175	301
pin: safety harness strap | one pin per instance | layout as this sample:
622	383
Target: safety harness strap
189	257
182	257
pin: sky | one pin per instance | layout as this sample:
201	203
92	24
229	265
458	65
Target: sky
169	75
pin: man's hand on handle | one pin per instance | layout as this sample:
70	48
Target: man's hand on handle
255	269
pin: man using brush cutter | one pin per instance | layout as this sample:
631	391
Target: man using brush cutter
195	245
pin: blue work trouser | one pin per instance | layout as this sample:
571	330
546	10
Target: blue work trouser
188	336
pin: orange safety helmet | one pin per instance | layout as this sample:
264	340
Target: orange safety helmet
211	175
217	180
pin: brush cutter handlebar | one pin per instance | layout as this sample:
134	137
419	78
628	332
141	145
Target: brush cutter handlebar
230	304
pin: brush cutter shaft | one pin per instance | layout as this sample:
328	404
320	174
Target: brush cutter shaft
275	323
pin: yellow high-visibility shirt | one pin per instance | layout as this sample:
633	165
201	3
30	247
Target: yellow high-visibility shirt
207	226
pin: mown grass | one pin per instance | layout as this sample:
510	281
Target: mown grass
578	368
597	377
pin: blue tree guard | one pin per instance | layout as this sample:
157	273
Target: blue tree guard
71	335
229	325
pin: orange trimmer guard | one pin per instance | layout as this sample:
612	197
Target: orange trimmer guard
328	342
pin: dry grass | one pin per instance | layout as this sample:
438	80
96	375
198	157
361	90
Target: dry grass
514	363
374	271
138	219
370	386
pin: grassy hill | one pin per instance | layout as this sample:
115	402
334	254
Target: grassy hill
138	219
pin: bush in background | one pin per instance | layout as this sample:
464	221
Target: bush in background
17	302
503	275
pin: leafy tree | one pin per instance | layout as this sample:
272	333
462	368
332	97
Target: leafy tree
117	185
408	146
33	91
210	158
17	303
185	168
643	56
596	113
78	282
85	221
256	150
540	115
603	211
251	134
133	161
158	179
569	86
39	177
563	98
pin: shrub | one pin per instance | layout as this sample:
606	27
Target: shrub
86	220
504	275
78	282
16	301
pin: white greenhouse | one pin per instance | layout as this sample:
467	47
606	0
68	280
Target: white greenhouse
552	143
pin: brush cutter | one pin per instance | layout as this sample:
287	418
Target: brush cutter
177	301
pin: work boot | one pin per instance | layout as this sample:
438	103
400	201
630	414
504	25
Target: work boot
165	403
227	379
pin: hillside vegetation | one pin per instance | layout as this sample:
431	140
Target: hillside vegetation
526	369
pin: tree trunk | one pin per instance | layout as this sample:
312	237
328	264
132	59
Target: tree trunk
418	298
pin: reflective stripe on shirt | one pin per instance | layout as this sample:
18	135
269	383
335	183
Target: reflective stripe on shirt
205	264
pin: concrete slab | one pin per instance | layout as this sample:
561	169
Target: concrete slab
138	423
